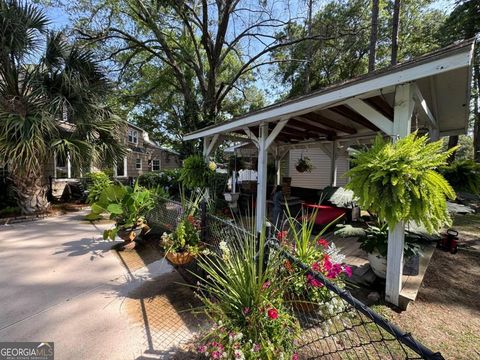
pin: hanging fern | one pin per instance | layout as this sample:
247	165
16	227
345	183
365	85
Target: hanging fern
195	173
399	181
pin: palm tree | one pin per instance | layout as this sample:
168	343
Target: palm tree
49	104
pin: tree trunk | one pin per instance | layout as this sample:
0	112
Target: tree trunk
307	86
476	127
373	36
31	193
395	30
452	142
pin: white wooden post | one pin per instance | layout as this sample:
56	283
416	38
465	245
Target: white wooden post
403	110
333	165
69	167
262	177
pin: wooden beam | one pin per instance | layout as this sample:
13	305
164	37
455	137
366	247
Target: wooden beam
422	104
251	135
306	133
276	130
371	114
379	103
311	125
402	122
355	117
316	117
262	178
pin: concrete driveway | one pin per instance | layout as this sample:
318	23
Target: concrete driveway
61	282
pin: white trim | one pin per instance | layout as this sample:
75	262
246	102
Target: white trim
115	168
136	163
133	137
262	178
372	115
322	100
159	163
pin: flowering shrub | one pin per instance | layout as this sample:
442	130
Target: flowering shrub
322	257
245	300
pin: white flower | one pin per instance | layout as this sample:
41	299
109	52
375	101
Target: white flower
239	354
238	337
206	252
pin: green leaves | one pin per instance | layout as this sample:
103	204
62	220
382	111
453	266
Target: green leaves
399	181
115	209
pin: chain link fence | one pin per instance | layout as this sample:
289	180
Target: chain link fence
342	327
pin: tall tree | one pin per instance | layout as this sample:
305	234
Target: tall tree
395	30
373	36
212	50
67	84
347	55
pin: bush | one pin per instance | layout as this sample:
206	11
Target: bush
463	175
97	182
168	180
399	182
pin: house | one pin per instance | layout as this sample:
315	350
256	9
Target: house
144	155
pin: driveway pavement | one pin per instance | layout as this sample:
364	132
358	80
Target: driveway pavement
61	282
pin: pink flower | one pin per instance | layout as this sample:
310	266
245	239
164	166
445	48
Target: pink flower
316	266
256	348
322	242
272	313
246	311
334	271
216	354
202	349
295	356
347	270
266	285
313	281
327	264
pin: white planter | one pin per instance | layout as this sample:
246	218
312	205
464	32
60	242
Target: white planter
378	264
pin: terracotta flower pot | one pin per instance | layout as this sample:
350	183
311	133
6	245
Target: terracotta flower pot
182	258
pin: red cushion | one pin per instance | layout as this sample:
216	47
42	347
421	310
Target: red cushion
326	214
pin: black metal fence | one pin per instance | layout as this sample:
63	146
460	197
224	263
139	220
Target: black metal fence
341	328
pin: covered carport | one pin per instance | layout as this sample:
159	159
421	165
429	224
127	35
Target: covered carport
429	94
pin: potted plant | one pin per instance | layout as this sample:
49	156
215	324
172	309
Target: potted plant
183	244
195	172
374	240
128	206
305	292
304	164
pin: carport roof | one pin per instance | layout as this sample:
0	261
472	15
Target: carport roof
364	105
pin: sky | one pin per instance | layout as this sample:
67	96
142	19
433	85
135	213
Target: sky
60	19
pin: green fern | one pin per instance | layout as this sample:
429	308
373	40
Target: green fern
399	181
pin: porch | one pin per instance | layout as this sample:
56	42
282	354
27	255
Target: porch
429	94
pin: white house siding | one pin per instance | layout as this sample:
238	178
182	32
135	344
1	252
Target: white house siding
320	175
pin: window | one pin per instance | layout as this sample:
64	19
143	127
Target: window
155	165
133	136
138	164
121	168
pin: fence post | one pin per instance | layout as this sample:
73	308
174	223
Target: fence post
203	221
